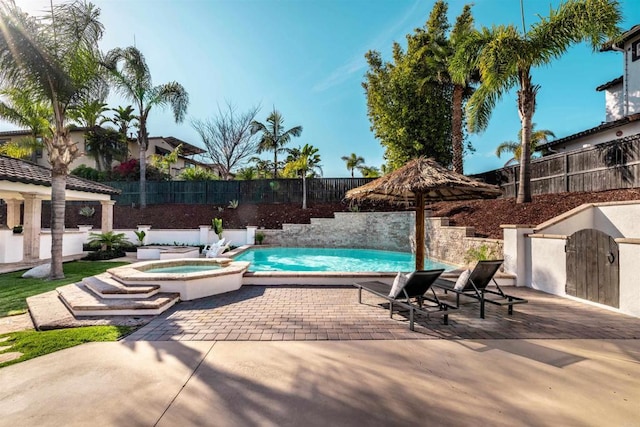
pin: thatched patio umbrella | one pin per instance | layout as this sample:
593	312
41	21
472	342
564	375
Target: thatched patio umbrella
419	181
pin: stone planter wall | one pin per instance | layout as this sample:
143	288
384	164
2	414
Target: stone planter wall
390	231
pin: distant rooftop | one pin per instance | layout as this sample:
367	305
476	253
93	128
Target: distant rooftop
593	130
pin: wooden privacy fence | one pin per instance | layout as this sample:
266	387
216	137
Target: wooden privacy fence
319	190
608	166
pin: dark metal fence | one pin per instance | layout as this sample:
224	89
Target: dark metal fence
319	190
608	166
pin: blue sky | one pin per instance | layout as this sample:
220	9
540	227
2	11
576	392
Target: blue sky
306	58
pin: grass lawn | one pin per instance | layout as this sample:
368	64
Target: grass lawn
14	289
33	344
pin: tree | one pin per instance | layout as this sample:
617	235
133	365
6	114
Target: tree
353	162
56	58
106	145
132	78
124	118
408	107
504	58
463	81
247	173
89	114
303	161
228	137
538	137
370	172
197	174
163	162
22	108
274	137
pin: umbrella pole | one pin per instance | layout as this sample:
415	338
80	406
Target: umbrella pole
420	206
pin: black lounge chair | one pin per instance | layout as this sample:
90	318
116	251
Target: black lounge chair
476	287
415	289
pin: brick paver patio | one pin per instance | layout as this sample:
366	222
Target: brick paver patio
264	313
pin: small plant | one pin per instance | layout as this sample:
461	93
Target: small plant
140	235
17	229
259	237
87	211
217	226
354	207
107	241
220	209
233	204
481	253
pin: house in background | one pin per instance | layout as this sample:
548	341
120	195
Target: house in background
157	145
622	101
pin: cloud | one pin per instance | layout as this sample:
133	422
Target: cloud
357	63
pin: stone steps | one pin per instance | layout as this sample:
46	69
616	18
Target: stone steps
83	302
107	287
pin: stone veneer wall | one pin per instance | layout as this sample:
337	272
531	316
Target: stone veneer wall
383	230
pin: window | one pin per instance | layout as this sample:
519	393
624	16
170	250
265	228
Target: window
635	50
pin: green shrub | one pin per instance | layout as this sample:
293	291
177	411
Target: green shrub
197	174
481	253
86	172
104	255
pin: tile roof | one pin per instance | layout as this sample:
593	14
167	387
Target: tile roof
620	41
610	83
16	170
187	149
593	130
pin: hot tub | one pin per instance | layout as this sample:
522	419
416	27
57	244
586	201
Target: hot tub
192	277
167	252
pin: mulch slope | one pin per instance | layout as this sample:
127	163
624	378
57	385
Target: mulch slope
485	216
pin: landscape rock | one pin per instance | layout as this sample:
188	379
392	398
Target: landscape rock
38	272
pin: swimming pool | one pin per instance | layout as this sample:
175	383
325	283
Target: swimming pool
331	259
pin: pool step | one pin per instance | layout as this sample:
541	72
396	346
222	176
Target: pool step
106	286
83	302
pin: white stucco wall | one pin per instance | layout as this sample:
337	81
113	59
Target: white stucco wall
567	224
10	246
632	78
548	265
614	103
619	220
629	274
517	252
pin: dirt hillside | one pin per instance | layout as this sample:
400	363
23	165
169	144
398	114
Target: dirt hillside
485	216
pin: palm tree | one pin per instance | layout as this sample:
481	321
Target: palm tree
274	138
106	145
370	172
55	57
304	161
353	162
89	114
504	58
123	119
463	81
22	108
538	137
133	81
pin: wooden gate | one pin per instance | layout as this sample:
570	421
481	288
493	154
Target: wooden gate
593	267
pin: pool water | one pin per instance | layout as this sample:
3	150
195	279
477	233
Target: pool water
183	269
324	259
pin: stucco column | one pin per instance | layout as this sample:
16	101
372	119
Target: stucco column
13	212
107	215
516	255
32	221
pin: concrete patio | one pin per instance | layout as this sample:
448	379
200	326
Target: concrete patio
332	361
373	383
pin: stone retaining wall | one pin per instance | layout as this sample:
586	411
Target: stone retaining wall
390	231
